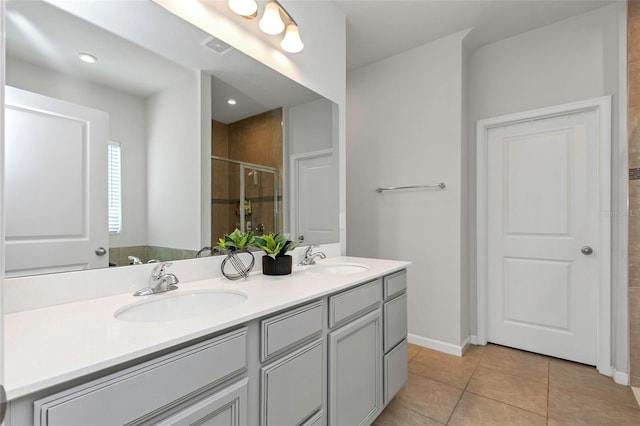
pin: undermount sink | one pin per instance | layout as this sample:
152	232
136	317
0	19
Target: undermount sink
337	268
171	307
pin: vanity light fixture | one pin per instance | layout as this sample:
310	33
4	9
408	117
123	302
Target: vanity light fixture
246	8
272	22
231	101
87	57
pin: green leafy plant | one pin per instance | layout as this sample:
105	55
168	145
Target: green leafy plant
274	245
235	241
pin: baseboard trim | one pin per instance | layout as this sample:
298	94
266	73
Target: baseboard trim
620	377
473	339
438	345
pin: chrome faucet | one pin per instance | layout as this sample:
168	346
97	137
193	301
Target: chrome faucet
310	258
159	282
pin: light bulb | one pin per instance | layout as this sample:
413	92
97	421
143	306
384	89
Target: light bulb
292	42
271	22
244	7
88	57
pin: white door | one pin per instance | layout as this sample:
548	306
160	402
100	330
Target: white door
55	185
543	236
315	197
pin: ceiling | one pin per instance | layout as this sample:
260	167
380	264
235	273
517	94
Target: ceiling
377	29
42	34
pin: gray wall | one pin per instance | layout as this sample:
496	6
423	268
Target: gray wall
568	61
406	119
405	128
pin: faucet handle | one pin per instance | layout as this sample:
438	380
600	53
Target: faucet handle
158	271
309	249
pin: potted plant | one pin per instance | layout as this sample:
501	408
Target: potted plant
233	244
276	246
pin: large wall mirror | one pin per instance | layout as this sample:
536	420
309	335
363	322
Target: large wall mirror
154	143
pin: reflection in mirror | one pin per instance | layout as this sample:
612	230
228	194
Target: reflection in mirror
192	166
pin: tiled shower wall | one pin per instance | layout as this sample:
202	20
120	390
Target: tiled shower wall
257	140
633	72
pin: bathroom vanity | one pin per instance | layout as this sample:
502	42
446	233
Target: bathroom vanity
324	346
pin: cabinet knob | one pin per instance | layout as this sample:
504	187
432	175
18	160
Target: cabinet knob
101	251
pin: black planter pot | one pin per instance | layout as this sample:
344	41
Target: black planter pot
278	266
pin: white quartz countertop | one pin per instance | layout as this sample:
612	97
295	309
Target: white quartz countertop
48	346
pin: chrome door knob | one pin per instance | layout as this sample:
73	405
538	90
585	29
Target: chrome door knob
586	250
101	251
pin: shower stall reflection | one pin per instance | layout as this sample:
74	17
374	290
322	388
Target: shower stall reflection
244	196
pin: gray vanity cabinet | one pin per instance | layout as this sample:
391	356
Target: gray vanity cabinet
355	371
292	376
227	407
334	361
144	392
395	334
355	355
291	388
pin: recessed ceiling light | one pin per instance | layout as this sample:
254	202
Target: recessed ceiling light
231	102
87	57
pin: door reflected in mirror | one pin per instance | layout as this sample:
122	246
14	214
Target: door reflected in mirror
193	166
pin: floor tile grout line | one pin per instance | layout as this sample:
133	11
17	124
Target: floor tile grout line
548	388
617	404
505	403
464	389
421	415
517	375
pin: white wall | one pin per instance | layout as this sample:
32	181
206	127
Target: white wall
571	60
126	125
310	126
174	165
405	128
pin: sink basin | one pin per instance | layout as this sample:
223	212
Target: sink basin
171	307
337	268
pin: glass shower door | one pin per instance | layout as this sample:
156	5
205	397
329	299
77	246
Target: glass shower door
244	196
260	194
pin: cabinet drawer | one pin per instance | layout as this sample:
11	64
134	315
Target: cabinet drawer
226	407
395	284
395	371
291	388
289	329
149	388
350	304
395	322
315	420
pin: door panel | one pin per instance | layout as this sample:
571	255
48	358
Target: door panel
314	183
542	208
55	190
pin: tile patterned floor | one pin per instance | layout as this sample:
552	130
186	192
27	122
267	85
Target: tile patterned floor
494	385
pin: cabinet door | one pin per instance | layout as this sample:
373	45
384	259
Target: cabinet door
395	322
395	371
291	388
227	407
355	371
